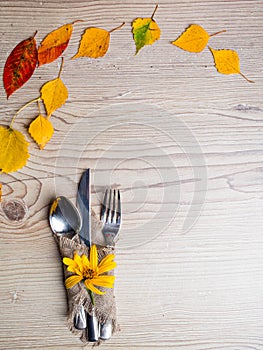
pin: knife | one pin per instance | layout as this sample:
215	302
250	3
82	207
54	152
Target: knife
83	201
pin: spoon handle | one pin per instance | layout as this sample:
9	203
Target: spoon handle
80	320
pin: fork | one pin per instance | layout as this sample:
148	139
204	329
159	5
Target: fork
110	216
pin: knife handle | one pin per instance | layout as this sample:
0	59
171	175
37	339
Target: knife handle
92	327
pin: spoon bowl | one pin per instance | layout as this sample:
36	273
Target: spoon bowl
64	218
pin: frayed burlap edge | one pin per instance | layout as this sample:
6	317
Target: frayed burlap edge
105	305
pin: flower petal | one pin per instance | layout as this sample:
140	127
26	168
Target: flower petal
108	258
77	258
72	280
69	262
106	267
74	270
93	258
71	269
91	287
78	261
104	281
85	261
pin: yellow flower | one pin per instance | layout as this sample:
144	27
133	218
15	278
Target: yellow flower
90	271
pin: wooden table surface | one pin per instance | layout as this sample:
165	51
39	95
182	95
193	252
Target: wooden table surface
185	146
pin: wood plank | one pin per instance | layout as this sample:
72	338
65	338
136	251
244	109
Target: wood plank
184	145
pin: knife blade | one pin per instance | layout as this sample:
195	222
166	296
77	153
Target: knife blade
83	201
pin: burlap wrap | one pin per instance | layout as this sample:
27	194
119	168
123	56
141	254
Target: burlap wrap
105	306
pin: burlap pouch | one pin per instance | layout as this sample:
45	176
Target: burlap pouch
105	306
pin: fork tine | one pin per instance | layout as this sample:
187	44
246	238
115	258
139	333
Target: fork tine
113	212
103	207
111	216
108	208
118	213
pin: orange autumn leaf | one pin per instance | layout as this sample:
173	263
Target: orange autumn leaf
54	44
20	65
14	150
94	42
194	38
145	31
227	62
41	130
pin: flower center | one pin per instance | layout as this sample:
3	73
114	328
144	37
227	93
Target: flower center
89	274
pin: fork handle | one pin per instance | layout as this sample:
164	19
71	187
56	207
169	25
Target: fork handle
109	238
106	330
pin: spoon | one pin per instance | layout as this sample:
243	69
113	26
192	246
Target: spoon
65	220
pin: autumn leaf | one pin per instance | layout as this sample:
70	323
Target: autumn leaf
20	65
95	42
54	44
227	62
41	130
145	31
54	94
194	38
14	150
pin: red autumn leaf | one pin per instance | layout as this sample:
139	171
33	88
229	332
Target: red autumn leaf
20	65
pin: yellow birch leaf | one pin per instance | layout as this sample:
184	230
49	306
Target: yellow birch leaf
54	94
227	62
14	150
194	38
41	130
145	31
94	42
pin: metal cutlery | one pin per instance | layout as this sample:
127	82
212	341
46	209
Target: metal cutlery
65	220
83	201
111	218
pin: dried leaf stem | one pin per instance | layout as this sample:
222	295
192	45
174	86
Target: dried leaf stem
77	21
120	26
156	7
61	67
38	106
220	32
248	80
22	108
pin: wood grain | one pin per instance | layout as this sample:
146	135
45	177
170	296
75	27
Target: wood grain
184	145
